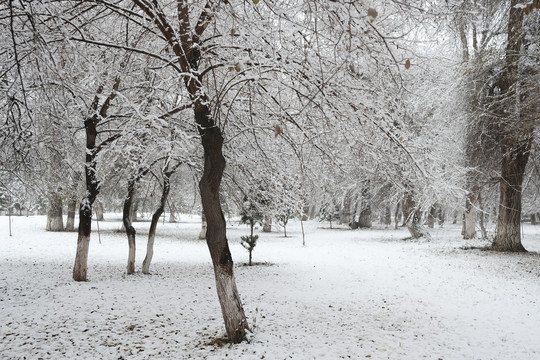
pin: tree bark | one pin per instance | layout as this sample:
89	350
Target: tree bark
508	236
72	208
55	222
155	220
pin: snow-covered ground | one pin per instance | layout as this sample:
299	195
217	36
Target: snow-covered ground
348	294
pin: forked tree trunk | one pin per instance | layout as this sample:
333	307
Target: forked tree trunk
202	234
508	236
155	220
71	209
92	184
236	323
55	222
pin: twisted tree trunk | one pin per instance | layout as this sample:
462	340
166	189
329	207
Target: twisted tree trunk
155	220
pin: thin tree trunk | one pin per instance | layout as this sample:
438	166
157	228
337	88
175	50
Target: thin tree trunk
55	222
396	214
155	220
482	216
431	217
130	230
99	211
72	208
469	217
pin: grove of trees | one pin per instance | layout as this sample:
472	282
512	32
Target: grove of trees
424	110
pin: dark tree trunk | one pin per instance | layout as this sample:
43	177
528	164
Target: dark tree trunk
508	236
55	222
533	219
72	208
516	139
214	164
126	219
155	220
92	184
85	210
130	230
186	46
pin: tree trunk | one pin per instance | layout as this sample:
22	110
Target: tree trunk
469	217
126	220
396	215
533	219
412	216
55	222
516	139
172	216
267	227
155	220
92	184
72	208
202	234
431	217
214	164
483	216
508	236
99	211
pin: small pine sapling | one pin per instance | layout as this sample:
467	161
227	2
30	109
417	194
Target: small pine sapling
250	215
249	242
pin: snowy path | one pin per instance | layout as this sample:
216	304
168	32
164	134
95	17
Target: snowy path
347	294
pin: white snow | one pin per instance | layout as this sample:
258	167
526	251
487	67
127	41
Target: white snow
347	294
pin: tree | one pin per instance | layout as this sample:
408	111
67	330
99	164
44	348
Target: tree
516	129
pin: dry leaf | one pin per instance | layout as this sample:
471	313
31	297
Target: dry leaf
372	13
277	130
